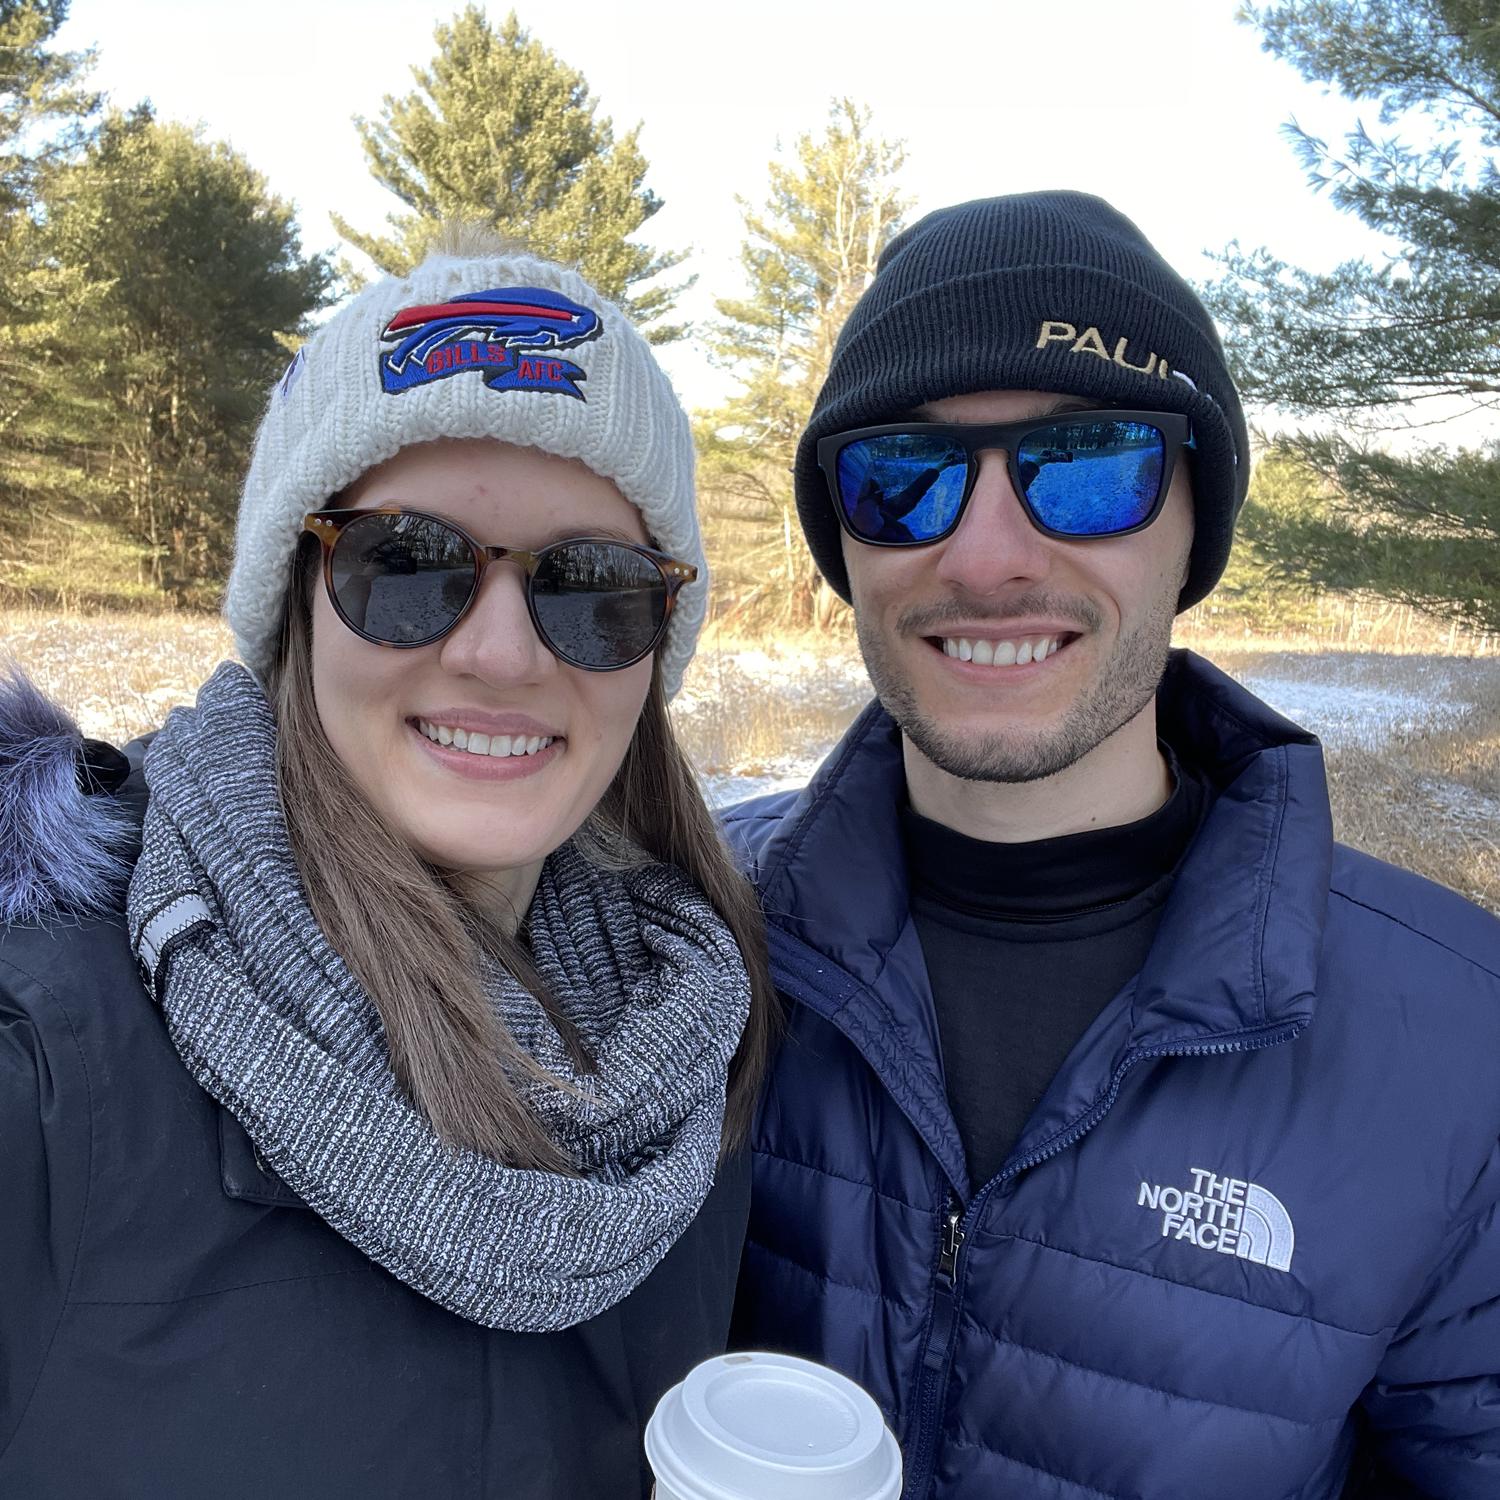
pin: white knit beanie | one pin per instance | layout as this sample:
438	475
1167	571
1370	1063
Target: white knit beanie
504	346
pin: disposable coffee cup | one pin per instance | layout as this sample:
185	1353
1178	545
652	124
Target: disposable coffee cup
770	1427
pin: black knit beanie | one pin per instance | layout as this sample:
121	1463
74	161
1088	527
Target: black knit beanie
1033	292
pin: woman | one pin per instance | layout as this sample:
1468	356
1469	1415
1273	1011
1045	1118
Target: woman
381	1137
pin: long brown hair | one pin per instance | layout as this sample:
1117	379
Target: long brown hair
417	945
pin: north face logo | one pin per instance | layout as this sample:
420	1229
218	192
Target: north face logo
1224	1214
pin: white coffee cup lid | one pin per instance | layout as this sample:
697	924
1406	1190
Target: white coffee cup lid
756	1426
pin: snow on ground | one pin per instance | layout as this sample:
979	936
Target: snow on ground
724	790
1363	699
760	720
1346	698
1463	807
795	676
1342	713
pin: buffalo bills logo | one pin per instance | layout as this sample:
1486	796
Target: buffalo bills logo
504	334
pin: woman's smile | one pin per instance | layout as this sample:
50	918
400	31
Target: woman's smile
487	757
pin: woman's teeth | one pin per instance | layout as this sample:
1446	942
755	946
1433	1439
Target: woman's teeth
484	744
1001	653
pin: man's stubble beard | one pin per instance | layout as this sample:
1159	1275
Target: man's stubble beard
1125	684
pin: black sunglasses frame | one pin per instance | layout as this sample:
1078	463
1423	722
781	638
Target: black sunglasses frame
328	525
981	437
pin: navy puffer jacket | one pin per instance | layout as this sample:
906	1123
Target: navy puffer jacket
1247	1247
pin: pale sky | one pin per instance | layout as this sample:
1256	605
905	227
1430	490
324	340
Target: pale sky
1166	107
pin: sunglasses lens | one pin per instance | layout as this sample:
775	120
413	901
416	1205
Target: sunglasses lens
401	579
1092	478
901	487
599	604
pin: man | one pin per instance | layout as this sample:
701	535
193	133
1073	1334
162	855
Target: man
1130	1137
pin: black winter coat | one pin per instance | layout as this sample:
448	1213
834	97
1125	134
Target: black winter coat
176	1325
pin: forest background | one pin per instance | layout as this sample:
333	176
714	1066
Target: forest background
153	284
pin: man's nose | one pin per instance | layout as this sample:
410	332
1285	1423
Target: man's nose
995	543
496	640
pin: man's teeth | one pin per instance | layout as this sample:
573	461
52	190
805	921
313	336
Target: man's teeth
484	744
1001	653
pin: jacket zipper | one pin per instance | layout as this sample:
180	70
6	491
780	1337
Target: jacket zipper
921	1454
936	1356
953	1242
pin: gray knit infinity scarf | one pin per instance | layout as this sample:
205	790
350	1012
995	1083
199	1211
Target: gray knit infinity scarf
271	1022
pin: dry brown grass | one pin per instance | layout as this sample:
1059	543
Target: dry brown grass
117	673
1326	622
1426	798
1428	801
1333	622
754	708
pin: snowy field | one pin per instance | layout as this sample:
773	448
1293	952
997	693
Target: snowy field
1412	741
758	720
1348	699
755	718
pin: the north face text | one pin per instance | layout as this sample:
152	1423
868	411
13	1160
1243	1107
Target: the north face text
1224	1214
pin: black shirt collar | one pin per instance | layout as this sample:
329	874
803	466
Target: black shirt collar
1048	878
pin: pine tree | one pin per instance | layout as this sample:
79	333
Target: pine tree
833	206
39	88
501	131
1366	340
199	291
46	115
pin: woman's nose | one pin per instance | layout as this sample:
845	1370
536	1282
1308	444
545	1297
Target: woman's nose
496	641
995	543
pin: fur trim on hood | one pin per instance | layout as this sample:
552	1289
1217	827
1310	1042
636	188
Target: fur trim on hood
65	843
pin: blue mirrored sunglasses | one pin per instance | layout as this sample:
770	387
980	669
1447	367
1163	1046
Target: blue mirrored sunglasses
1081	474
